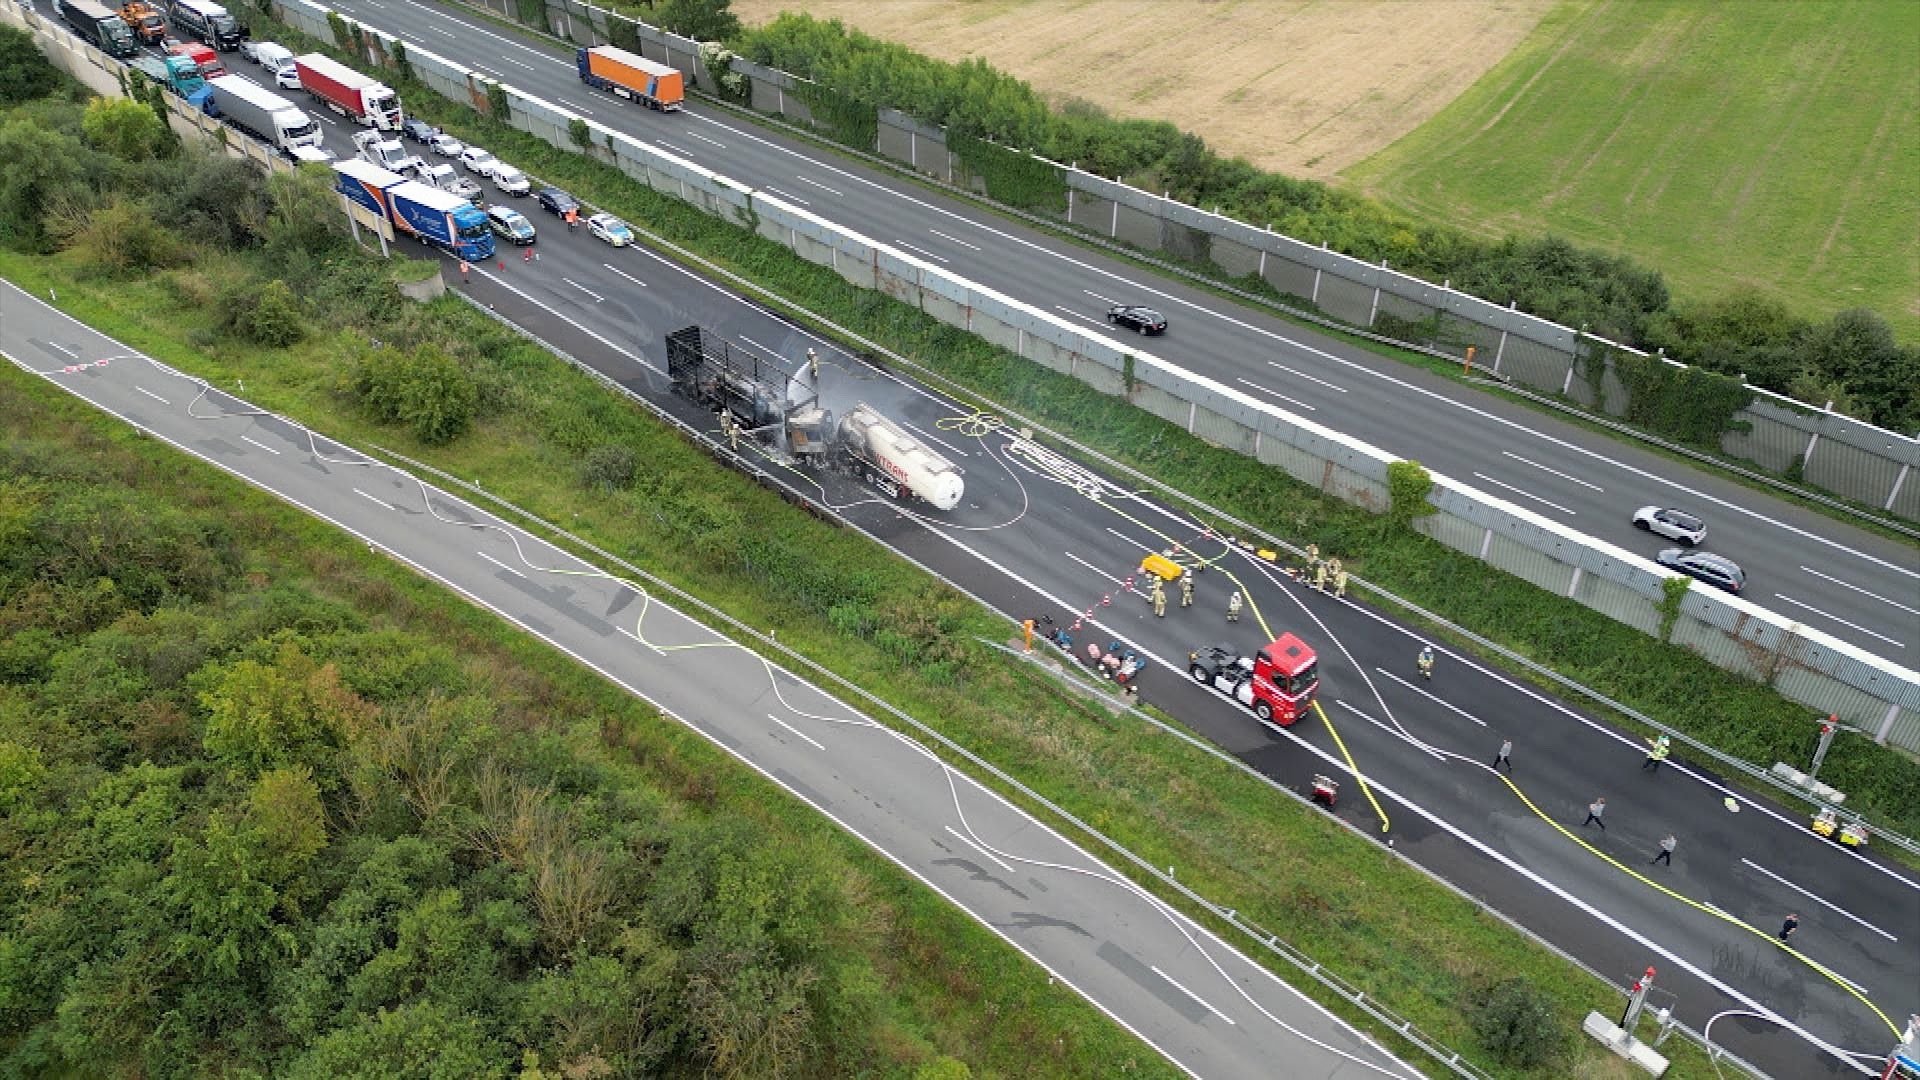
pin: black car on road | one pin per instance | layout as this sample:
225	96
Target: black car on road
1138	319
1715	570
419	131
556	202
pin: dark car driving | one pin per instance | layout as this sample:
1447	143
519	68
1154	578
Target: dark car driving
1138	319
1715	570
419	131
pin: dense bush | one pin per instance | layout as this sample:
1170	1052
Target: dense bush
261	313
1517	1024
422	388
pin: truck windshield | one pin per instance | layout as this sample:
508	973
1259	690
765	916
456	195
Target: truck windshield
118	35
302	130
224	25
474	229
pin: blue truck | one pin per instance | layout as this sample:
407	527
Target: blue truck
179	75
440	218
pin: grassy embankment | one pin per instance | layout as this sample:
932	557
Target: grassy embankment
1758	143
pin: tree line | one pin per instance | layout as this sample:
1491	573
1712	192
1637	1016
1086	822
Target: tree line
1850	358
249	827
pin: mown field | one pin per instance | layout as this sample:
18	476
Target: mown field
1757	143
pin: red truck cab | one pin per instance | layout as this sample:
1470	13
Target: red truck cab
1277	683
204	58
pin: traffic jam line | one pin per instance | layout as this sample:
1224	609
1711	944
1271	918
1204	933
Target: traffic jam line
1841	621
1524	494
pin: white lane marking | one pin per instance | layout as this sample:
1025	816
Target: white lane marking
444	30
70	353
471	27
1423	692
624	274
628	353
923	252
1070	313
515	63
812	183
1107	300
954	239
1291	401
931	437
1304	375
1388	729
375	498
1102	573
1130	541
672	148
704	139
762	348
1526	494
509	569
583	288
1203	1001
1841	621
785	195
258	443
796	731
1556	472
1861	591
571	105
968	840
1304	347
153	395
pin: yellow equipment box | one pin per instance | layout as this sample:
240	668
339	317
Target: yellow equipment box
1161	567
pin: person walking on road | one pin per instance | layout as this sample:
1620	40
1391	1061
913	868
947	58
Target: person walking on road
1159	598
1789	926
813	366
1505	756
1666	850
1657	750
466	273
1186	589
1426	662
1594	809
1233	606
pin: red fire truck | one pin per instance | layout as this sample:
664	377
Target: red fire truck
1277	683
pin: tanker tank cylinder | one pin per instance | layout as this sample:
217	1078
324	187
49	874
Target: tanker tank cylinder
903	458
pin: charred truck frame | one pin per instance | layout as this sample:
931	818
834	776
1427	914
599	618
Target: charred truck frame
753	395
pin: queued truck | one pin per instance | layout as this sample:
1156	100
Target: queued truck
261	113
201	56
634	77
178	74
357	97
99	27
432	216
145	21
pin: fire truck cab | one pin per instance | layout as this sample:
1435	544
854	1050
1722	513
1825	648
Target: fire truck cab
1277	683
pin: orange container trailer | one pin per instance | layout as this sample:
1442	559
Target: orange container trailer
637	78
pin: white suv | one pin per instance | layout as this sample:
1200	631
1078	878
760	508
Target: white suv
1671	524
474	159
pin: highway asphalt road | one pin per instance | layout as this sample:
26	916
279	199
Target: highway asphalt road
1035	533
1830	576
1194	998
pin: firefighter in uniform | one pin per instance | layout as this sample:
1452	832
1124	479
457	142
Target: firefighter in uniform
1159	598
1186	589
1426	662
732	428
1320	575
813	365
1233	606
1339	578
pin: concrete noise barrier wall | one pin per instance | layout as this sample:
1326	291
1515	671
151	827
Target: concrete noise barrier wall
1827	675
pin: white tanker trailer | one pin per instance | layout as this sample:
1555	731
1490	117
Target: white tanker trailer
892	460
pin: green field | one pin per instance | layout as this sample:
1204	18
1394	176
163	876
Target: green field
1759	142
